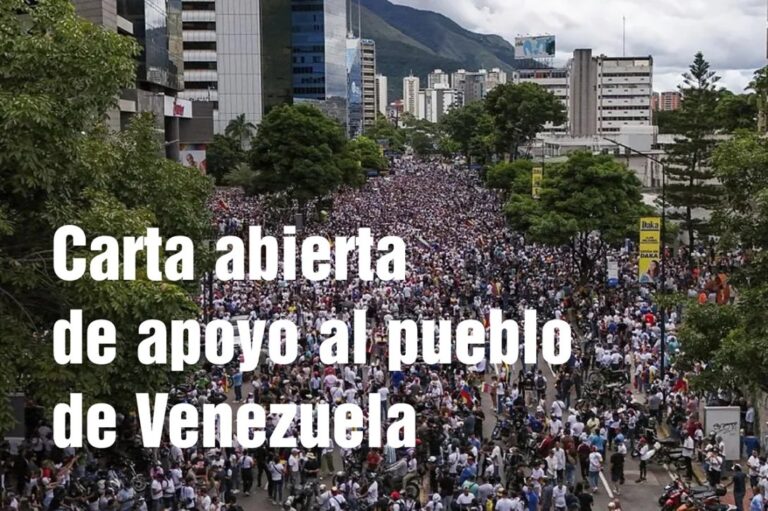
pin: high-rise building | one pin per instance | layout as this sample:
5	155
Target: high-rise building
435	102
319	42
475	86
157	27
368	49
354	87
602	95
666	101
438	78
624	88
411	95
582	114
200	65
493	78
382	97
248	65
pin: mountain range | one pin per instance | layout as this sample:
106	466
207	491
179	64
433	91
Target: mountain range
410	40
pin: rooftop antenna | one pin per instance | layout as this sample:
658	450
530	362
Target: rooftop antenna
624	36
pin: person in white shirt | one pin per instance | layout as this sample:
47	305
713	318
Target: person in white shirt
465	498
595	466
558	496
687	453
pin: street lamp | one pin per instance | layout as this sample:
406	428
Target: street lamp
663	252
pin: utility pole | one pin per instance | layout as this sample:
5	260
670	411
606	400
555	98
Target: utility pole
663	272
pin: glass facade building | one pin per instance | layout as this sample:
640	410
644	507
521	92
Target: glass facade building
157	28
319	34
354	87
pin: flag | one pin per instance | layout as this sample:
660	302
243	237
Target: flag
465	394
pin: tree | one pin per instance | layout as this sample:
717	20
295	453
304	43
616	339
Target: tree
690	178
241	130
520	111
61	75
759	85
468	126
421	135
736	111
665	120
510	176
384	132
367	153
297	150
732	339
586	194
224	155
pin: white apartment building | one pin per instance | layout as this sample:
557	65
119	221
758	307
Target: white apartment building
382	97
435	102
624	91
411	95
493	78
438	78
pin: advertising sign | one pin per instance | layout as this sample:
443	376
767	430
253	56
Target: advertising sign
194	155
724	421
536	177
650	245
535	47
175	107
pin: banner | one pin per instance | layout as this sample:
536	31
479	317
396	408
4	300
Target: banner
724	421
536	177
194	155
649	246
613	273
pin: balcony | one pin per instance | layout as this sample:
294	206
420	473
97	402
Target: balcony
200	36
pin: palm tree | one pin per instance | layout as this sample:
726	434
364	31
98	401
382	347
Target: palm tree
759	84
241	130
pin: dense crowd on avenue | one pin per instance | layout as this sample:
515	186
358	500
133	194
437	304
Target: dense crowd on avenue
552	436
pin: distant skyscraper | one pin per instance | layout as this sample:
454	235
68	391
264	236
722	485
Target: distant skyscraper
319	39
411	95
493	78
368	49
354	87
382	96
438	78
666	101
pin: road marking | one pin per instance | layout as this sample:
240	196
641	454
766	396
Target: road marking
607	486
669	472
551	370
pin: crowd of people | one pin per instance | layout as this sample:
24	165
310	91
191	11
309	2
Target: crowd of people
551	439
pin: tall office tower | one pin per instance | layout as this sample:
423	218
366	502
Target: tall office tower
354	87
319	45
157	27
382	96
411	95
368	50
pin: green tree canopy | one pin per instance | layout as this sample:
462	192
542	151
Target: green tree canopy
387	133
689	173
471	127
241	130
586	194
298	150
224	155
368	153
520	111
510	176
58	166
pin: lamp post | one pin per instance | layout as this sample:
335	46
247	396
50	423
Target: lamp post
663	276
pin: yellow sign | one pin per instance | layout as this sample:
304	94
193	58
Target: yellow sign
536	178
649	248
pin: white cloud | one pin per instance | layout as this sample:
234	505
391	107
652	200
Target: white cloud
730	33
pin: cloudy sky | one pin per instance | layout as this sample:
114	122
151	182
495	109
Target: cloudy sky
730	33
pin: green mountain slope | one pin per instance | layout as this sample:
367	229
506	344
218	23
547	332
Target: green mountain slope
409	39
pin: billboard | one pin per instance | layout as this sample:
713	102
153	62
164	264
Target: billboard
613	273
194	155
724	421
535	47
537	175
650	245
